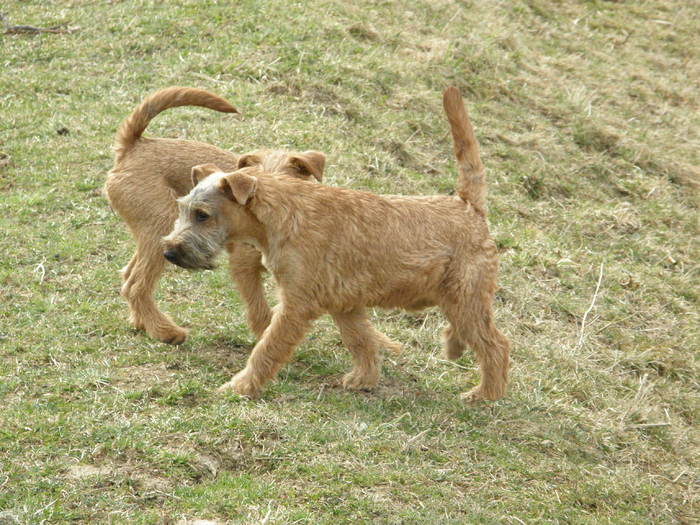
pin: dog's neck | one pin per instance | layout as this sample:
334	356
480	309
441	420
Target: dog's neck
254	234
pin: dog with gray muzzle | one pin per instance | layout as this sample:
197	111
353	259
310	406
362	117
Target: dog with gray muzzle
338	251
150	173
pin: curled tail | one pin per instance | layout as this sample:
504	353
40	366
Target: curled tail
134	125
471	185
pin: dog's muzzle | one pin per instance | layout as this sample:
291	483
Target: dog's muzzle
173	257
183	261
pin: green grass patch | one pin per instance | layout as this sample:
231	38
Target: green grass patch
587	117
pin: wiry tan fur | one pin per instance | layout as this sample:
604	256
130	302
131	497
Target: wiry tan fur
150	173
339	251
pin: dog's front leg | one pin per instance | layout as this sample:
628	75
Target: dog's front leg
246	270
273	350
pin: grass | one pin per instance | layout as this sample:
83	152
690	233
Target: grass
587	113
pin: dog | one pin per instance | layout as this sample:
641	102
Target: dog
150	173
338	251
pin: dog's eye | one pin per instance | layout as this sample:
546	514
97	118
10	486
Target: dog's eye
201	216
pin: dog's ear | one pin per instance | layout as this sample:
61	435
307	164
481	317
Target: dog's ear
309	163
202	170
249	159
239	187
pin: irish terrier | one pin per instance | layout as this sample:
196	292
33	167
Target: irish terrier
338	251
150	173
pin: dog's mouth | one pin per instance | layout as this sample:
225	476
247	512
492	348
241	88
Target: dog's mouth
194	266
178	258
192	252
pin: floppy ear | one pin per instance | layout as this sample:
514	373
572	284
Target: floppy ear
249	159
309	163
239	187
202	170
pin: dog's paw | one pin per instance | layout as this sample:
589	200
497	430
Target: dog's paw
478	394
394	347
173	335
137	322
360	380
241	384
475	395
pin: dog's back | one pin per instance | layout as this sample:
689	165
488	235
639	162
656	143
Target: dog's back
371	249
166	163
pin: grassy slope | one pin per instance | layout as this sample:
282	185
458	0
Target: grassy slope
588	117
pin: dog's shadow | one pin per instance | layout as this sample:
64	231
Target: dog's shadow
310	378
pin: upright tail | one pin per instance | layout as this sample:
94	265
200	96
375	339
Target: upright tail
471	184
134	125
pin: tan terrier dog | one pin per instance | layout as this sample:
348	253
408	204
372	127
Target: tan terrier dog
339	251
150	173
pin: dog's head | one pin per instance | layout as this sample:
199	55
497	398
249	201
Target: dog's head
305	165
213	213
216	208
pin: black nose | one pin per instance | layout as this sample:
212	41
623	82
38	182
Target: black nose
170	255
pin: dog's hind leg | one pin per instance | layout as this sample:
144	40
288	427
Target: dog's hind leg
468	307
492	351
138	291
387	343
475	326
149	221
150	212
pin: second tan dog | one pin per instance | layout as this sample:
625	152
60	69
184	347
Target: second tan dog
337	250
150	173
